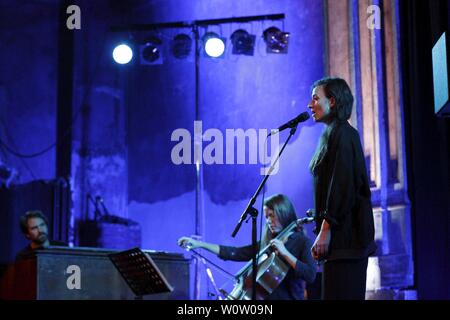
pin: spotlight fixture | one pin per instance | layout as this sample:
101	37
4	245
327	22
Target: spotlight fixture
181	46
122	54
276	40
151	52
243	42
213	44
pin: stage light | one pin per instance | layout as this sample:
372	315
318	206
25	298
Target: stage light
122	54
213	44
276	40
243	42
181	46
151	51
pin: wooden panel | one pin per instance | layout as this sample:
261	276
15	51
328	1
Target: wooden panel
338	39
393	96
369	94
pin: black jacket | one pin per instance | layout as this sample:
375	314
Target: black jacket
28	251
292	286
342	196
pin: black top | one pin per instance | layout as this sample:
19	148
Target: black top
27	251
342	196
292	287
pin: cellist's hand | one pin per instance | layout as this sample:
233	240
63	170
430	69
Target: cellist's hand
279	247
189	243
281	250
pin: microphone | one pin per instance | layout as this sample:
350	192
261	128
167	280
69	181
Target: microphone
311	213
103	206
292	123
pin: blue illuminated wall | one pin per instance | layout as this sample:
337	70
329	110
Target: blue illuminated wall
249	92
28	82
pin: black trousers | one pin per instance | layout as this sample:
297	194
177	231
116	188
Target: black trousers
344	279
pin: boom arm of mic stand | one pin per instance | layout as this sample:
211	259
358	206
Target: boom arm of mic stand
261	185
254	213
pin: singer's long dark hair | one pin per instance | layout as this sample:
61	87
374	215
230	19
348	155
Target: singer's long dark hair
342	111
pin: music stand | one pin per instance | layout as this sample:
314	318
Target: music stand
140	272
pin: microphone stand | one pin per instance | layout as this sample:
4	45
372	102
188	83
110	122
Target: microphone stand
250	210
95	203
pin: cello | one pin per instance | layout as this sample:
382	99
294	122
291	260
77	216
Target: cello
271	269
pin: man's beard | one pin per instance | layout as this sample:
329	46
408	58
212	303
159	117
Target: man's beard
41	238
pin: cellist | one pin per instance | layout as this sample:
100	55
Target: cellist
295	251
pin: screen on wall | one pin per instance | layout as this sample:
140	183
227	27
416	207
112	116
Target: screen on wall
440	77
